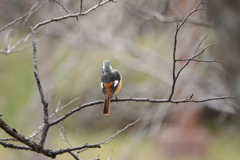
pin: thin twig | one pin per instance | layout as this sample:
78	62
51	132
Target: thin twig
64	137
40	128
174	75
65	9
9	145
64	150
199	60
81	5
189	14
34	8
63	132
40	89
110	157
181	69
70	15
109	139
74	156
75	110
12	49
174	64
57	110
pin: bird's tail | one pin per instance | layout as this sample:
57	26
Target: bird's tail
106	106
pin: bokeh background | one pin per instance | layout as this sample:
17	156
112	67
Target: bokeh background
140	47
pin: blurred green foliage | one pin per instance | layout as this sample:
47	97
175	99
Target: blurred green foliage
17	85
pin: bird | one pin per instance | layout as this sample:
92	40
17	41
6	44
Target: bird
111	84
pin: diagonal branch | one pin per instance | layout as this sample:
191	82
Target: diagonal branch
190	13
34	146
180	70
57	110
109	139
75	110
25	16
63	7
74	156
57	19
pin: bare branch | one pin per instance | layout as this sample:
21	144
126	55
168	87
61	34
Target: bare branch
203	50
64	150
44	128
9	145
34	8
171	101
57	110
12	48
189	14
174	75
44	102
65	9
174	63
64	137
81	5
198	60
34	146
8	139
136	100
109	139
109	158
75	110
180	70
74	156
70	15
60	108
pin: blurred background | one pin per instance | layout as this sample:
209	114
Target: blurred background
137	37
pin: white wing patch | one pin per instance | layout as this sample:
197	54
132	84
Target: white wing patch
102	85
116	83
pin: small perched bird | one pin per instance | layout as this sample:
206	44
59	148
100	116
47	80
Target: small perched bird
111	83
